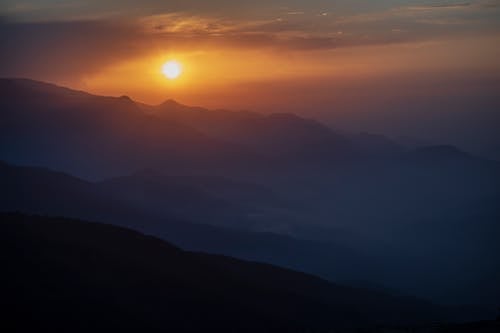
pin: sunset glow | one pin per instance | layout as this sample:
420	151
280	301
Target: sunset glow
266	166
335	61
172	69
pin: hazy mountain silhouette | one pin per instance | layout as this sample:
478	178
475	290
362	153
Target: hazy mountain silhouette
223	201
41	191
376	144
95	136
277	134
433	209
66	274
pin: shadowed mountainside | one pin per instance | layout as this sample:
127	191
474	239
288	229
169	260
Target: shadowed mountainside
105	136
432	210
67	274
41	191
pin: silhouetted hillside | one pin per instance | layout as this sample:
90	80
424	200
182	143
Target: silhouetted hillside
95	136
41	191
277	134
66	274
222	201
397	214
376	144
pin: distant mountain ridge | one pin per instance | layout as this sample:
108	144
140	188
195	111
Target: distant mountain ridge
318	201
41	191
119	135
101	136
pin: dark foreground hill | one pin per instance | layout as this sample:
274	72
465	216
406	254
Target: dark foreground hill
69	275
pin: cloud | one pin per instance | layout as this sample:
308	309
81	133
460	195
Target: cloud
446	6
78	47
299	32
55	49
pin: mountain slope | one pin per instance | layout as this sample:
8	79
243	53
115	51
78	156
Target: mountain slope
222	201
277	134
95	136
68	274
41	191
395	213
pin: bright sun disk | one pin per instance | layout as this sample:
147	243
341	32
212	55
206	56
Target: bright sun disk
172	69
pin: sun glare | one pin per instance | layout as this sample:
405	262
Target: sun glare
172	69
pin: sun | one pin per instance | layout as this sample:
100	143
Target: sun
172	69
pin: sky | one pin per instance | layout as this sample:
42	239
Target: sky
397	67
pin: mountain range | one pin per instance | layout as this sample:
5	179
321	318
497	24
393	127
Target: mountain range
276	188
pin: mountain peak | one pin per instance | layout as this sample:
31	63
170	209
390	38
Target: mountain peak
170	103
126	98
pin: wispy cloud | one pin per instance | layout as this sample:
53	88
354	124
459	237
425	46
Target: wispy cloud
302	30
446	6
91	44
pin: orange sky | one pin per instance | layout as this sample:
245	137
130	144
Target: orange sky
228	77
246	56
388	66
